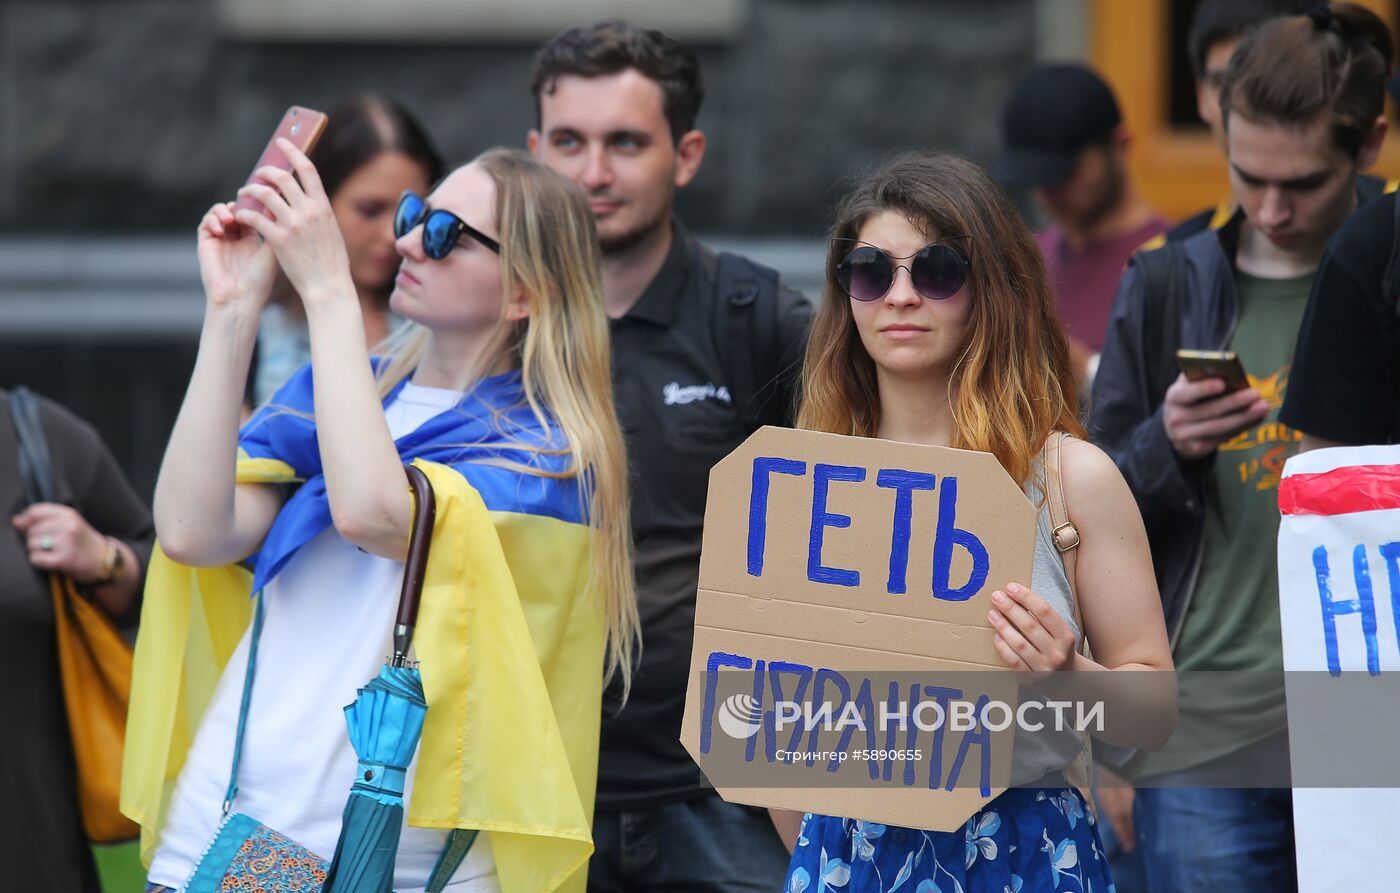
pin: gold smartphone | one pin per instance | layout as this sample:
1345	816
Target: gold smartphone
1198	365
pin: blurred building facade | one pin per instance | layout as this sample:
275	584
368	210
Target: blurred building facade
131	115
121	121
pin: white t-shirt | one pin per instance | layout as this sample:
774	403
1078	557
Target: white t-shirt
328	620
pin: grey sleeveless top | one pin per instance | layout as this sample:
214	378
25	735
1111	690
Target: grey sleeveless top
1036	753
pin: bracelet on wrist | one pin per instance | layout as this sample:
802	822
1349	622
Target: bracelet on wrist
113	564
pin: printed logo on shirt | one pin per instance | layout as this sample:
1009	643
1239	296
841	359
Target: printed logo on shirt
1275	441
676	394
1271	388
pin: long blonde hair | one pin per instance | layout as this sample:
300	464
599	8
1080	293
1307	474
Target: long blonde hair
1011	384
549	249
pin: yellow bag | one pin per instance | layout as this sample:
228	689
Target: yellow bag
94	662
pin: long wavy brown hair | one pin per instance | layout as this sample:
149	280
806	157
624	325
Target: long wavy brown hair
1011	384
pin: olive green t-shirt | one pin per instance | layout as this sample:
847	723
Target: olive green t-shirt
1232	619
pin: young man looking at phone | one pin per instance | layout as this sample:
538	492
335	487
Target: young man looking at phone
1205	464
1217	27
706	348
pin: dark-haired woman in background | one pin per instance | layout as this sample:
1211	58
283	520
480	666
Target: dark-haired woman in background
372	151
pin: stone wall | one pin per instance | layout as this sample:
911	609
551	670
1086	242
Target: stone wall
129	116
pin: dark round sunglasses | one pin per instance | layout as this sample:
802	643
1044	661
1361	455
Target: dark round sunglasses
867	273
441	229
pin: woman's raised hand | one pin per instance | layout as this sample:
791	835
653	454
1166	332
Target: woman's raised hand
302	230
237	268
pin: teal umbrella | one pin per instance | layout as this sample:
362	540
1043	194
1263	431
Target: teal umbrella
385	723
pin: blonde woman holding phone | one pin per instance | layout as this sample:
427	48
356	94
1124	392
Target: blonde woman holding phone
500	391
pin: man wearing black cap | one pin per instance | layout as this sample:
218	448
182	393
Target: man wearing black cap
1065	139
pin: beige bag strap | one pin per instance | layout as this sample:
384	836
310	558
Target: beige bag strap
1063	533
1065	536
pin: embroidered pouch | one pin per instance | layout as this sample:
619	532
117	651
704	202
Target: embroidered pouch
249	857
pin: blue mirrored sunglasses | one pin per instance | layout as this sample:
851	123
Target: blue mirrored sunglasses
441	229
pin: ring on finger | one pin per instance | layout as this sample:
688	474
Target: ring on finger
1030	627
46	543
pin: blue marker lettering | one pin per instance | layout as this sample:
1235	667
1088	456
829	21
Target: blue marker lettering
981	736
1364	604
903	483
717	659
763	467
947	536
944	698
822	476
775	671
1390	554
752	746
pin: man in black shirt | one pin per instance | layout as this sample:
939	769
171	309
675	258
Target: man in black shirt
1344	387
706	348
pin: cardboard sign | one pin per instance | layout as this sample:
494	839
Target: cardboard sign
855	575
1339	594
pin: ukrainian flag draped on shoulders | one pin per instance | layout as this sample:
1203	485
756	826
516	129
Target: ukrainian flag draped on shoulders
510	637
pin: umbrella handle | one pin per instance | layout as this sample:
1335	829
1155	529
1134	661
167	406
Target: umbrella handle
416	565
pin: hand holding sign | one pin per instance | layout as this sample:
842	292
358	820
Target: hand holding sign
1031	637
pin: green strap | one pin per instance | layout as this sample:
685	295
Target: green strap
232	792
459	843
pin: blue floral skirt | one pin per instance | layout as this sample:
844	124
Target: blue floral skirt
1025	841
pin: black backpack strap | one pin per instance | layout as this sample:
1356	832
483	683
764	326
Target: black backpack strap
1165	287
747	334
35	465
1390	285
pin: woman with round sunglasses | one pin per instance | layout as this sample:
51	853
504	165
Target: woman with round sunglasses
936	326
499	389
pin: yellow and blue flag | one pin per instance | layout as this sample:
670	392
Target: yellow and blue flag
510	633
